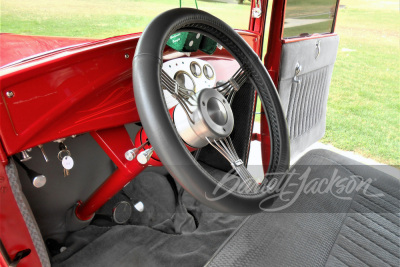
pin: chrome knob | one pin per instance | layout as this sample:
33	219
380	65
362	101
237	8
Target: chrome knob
131	154
38	180
145	156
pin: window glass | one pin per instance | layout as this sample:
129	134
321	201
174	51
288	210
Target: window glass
105	18
306	17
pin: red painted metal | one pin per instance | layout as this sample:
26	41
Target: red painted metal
85	211
257	25
14	47
75	91
256	137
253	39
273	56
3	155
13	230
272	62
80	89
3	262
115	142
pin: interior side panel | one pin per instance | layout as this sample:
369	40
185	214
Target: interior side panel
304	96
51	202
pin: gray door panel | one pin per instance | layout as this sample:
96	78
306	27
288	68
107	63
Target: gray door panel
304	96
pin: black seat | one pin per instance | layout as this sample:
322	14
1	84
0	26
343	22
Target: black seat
355	223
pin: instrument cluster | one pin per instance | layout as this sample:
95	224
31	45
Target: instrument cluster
190	73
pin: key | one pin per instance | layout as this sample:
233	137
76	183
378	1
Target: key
65	157
67	162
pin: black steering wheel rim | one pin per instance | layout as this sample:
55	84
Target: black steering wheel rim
159	126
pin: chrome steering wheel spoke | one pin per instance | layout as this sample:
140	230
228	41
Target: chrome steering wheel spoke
230	88
184	96
225	147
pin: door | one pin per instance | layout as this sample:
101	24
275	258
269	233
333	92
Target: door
301	53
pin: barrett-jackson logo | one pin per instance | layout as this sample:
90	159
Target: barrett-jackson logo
289	189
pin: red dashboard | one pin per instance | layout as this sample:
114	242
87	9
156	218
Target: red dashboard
78	89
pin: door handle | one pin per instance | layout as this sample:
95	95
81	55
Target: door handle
297	71
318	47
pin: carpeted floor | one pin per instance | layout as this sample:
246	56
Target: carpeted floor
173	230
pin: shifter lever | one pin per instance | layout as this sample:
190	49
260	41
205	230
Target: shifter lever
145	156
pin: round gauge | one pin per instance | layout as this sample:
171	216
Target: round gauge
195	69
184	80
188	73
208	71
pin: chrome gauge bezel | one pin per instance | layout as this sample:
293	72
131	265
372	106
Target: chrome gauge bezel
172	67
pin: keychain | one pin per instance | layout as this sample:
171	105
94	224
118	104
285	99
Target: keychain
65	157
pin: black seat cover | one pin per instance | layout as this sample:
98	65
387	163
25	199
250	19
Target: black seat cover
353	224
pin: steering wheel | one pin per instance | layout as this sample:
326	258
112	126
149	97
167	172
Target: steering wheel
206	118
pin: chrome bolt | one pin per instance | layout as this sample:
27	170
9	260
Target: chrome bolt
126	56
10	94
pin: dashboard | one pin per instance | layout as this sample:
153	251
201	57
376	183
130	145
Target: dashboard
89	87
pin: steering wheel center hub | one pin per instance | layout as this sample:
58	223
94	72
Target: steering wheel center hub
212	119
217	111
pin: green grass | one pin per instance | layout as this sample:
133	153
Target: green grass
101	18
364	101
363	107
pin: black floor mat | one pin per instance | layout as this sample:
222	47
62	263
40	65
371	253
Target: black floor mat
187	236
